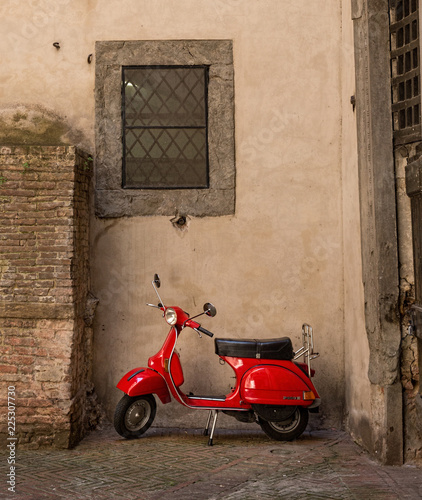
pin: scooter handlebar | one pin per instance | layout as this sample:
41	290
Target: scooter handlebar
203	330
196	326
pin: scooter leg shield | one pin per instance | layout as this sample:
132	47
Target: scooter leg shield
140	381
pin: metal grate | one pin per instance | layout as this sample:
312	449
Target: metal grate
165	127
414	190
405	69
416	205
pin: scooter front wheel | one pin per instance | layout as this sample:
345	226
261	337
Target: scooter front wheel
134	415
289	429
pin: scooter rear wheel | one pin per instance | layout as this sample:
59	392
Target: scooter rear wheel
134	415
288	429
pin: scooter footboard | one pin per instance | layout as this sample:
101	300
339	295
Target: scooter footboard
141	381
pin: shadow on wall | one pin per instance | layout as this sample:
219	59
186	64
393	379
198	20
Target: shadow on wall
35	126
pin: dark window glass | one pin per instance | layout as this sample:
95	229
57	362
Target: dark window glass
407	34
400	39
400	65
401	92
409	117
415	58
407	62
409	89
402	118
399	11
417	114
165	127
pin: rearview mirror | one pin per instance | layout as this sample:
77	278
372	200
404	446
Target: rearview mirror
157	281
210	310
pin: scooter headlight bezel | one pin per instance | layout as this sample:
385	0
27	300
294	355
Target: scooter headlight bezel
170	315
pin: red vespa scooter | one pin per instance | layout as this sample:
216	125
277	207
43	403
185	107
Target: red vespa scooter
271	388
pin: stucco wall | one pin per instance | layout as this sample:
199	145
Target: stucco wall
278	261
358	412
274	264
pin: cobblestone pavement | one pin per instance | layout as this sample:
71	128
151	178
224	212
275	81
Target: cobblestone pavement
242	465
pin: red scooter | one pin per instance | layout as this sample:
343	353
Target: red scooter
271	389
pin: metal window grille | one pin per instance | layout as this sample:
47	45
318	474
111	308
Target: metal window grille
417	244
414	190
165	127
405	70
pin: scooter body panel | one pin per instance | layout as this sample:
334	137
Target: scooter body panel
140	381
276	385
176	369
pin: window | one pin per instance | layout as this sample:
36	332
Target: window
406	94
164	128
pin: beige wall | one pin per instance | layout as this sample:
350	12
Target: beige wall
359	413
280	260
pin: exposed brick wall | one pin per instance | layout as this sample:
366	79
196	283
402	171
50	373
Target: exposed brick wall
44	288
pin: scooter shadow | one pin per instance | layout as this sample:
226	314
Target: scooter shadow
227	436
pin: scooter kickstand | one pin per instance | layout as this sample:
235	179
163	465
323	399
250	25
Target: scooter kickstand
208	424
215	412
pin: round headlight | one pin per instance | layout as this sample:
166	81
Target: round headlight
170	316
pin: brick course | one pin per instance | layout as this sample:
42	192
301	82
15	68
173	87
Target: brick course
44	288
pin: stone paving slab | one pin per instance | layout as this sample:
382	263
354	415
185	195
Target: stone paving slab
178	464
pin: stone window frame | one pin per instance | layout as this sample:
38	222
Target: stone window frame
114	201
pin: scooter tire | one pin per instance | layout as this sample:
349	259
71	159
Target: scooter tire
286	430
134	415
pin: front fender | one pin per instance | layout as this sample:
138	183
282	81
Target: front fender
141	381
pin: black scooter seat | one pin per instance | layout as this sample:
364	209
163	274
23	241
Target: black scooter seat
280	349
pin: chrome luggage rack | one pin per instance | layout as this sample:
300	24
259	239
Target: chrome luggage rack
307	349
